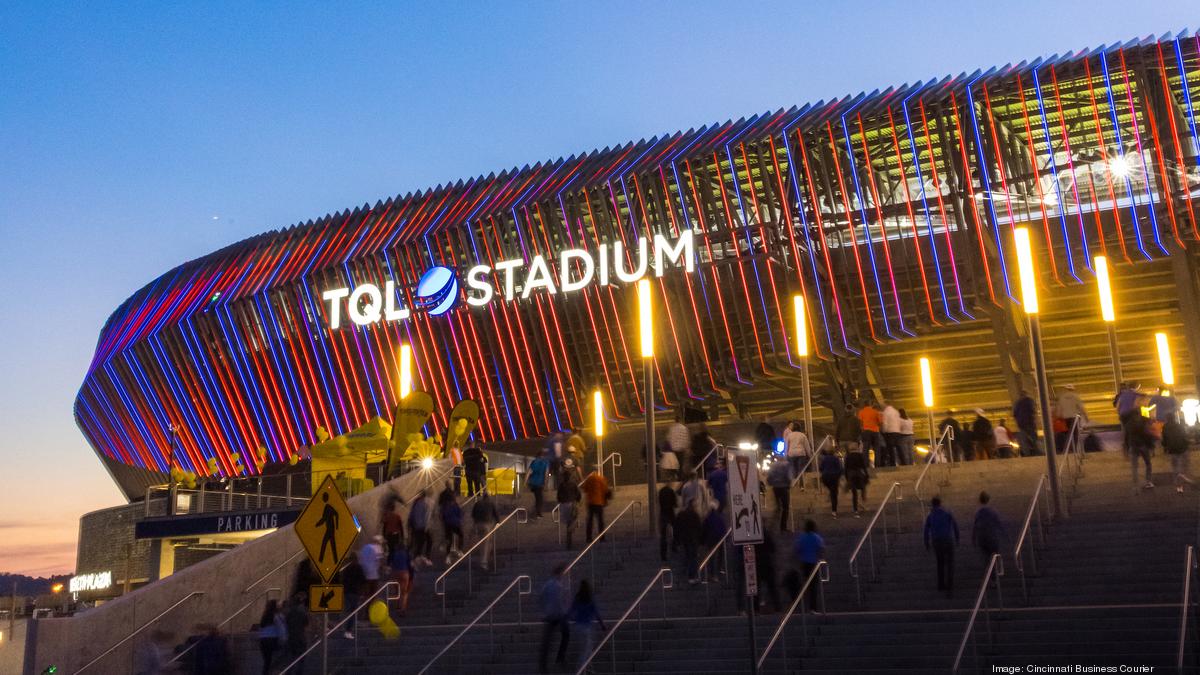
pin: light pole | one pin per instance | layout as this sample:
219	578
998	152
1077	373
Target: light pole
1104	286
927	399
1029	300
1165	367
802	353
598	425
406	379
646	327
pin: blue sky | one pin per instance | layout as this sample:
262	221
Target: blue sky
135	136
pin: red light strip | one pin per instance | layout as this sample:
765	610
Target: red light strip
1162	72
937	191
712	268
762	234
962	146
887	253
738	263
1112	195
837	305
837	167
791	231
1037	179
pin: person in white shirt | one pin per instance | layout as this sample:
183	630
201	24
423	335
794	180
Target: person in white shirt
799	449
1003	442
905	427
890	427
679	441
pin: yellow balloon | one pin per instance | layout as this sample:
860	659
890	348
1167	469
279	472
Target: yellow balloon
378	612
390	630
293	459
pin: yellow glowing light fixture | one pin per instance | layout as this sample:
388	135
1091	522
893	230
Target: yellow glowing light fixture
926	382
56	588
406	379
1029	296
1164	359
1106	300
801	327
427	463
598	412
646	317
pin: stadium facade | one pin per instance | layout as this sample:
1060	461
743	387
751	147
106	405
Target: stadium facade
891	211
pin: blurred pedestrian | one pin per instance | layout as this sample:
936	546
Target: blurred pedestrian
1002	440
983	435
889	426
872	439
779	478
586	615
595	489
401	571
296	620
1141	445
371	557
987	532
475	467
553	601
679	441
857	477
353	582
799	449
694	491
272	631
391	523
1175	444
831	470
153	655
484	517
689	529
667	503
419	513
941	536
848	430
568	503
536	481
452	532
957	439
809	549
907	438
210	656
718	484
1025	415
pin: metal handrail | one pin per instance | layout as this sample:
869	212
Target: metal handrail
995	568
1073	454
353	614
611	524
946	435
229	619
704	460
525	588
1034	503
852	565
439	585
820	573
139	629
807	465
1189	570
719	546
615	458
668	581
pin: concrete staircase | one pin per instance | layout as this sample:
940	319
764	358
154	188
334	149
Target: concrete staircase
1106	593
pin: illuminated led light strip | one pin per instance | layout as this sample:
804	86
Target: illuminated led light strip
687	283
200	398
713	270
1112	195
779	313
887	254
1164	180
504	346
225	423
322	338
816	204
144	408
916	155
1187	97
979	225
192	428
346	368
1058	198
993	125
149	393
1180	162
168	397
749	250
866	220
737	262
243	322
477	378
937	191
229	387
115	449
443	386
1137	135
1037	178
280	355
206	432
146	441
311	370
557	331
612	307
862	281
1112	108
812	259
249	384
363	341
987	185
1062	120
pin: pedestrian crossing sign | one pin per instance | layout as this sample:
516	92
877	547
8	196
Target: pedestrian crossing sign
745	503
326	598
327	529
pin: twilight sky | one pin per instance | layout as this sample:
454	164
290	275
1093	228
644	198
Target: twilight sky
137	138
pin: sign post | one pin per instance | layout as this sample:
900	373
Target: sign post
745	503
327	529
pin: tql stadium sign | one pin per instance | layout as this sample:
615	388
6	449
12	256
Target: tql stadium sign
438	291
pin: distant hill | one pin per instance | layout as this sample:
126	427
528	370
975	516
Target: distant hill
27	585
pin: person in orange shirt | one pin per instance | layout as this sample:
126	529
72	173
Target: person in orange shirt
872	439
595	491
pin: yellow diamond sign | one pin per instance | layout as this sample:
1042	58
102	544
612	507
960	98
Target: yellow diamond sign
327	528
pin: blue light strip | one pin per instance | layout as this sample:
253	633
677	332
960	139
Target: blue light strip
862	209
252	384
749	241
358	346
1187	96
1112	109
134	414
916	157
1062	216
216	402
987	185
812	259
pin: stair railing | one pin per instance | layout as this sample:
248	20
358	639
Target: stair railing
718	450
995	569
1185	603
819	576
946	438
808	465
228	620
524	586
613	459
1073	456
637	506
720	547
392	590
1036	505
665	579
439	585
868	540
137	631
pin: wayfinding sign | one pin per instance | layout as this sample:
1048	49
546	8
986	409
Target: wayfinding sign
745	502
327	528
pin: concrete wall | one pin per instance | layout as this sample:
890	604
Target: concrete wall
107	543
71	642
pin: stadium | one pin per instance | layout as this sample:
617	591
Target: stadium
892	212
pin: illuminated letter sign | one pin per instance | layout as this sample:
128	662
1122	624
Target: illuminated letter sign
98	581
438	290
